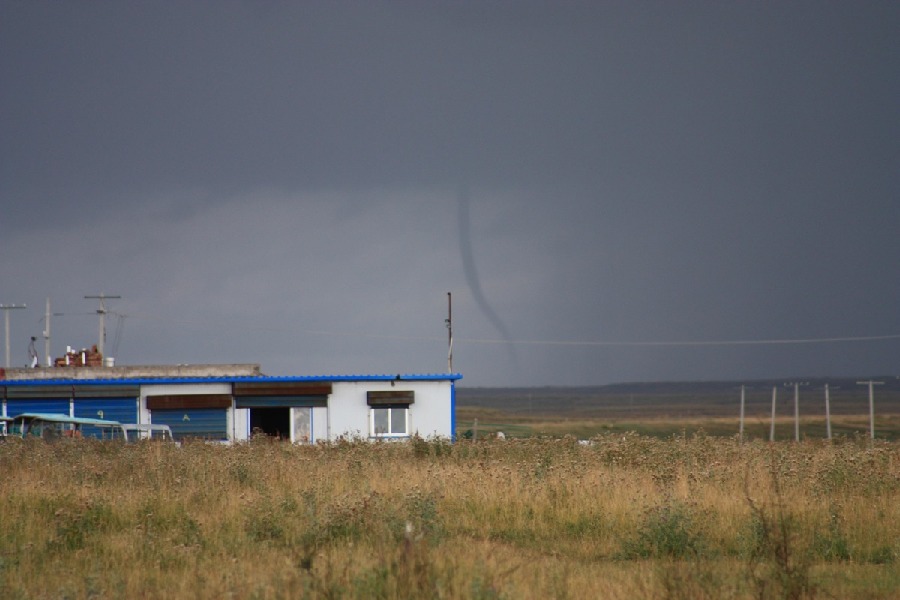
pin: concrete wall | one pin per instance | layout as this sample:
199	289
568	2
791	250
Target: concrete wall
430	415
320	424
240	425
137	372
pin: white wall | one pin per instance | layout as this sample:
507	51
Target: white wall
430	415
241	425
347	413
320	424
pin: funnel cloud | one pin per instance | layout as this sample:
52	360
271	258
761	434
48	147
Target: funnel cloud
473	280
298	185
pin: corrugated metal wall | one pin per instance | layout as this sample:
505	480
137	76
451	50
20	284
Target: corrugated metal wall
17	406
205	423
123	410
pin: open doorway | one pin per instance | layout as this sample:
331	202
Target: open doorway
275	422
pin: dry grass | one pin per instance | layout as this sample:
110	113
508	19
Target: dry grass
518	424
627	516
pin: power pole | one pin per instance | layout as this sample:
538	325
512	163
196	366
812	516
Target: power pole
102	312
772	426
871	385
742	415
827	412
796	385
6	308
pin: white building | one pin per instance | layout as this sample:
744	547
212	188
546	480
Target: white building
233	402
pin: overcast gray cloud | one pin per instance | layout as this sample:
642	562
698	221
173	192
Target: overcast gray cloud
279	183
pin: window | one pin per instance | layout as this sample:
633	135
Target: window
389	421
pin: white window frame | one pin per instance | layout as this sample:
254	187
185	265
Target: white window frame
390	409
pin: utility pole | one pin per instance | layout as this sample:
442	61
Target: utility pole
449	322
827	412
102	312
871	385
772	427
6	308
796	385
742	415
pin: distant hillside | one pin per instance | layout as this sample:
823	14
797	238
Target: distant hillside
687	399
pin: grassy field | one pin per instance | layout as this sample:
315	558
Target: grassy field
490	421
664	410
626	516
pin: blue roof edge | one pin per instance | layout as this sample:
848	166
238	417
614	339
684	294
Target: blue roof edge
242	378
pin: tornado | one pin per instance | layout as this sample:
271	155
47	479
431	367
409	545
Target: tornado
472	278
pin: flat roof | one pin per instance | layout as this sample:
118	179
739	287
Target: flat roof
233	379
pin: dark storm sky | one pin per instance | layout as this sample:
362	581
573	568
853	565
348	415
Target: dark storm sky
300	185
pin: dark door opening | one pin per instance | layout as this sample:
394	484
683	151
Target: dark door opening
274	422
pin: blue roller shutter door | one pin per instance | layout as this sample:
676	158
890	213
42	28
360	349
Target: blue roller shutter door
17	406
123	410
204	423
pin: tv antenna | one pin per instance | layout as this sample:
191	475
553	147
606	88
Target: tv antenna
102	312
6	308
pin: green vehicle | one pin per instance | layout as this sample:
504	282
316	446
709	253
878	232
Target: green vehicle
51	427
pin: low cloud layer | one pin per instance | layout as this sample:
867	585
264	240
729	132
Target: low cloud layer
281	184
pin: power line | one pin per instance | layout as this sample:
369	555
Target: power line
686	342
600	343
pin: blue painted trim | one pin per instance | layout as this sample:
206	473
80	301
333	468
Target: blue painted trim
453	411
243	379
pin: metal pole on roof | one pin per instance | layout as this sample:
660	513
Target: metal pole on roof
102	312
47	334
449	322
6	308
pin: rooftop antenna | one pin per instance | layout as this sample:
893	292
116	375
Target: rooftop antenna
47	333
32	354
449	322
6	308
102	312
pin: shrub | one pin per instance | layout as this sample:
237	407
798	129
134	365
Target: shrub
667	531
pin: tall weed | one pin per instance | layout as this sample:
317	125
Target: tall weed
624	516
